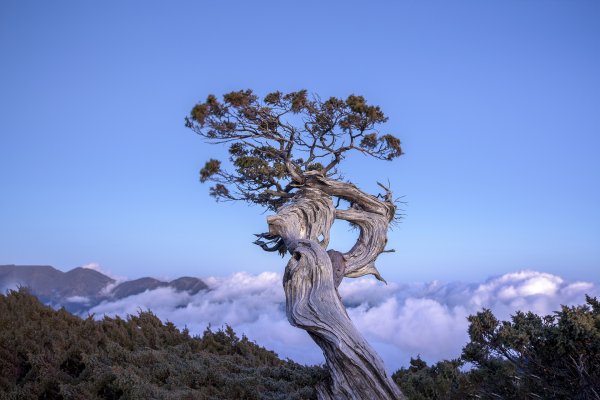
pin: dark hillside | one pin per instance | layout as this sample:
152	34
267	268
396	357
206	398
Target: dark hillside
80	289
136	286
50	284
189	284
84	282
48	354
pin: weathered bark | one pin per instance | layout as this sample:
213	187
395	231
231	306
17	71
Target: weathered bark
312	275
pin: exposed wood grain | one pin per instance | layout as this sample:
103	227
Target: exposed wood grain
313	274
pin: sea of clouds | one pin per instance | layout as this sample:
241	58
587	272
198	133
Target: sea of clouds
399	320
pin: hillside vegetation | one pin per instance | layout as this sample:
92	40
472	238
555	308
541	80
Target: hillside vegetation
49	354
52	354
530	357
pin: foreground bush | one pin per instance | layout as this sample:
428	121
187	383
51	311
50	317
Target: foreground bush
48	354
529	357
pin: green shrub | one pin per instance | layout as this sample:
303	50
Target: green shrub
49	354
529	357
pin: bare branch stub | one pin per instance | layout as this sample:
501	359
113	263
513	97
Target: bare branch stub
284	151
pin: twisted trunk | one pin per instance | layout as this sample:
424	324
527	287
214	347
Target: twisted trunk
313	274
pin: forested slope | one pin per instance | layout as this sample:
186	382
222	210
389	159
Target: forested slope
49	354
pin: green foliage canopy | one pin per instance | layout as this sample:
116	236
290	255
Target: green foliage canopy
275	140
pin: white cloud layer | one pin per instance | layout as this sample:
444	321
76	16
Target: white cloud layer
399	320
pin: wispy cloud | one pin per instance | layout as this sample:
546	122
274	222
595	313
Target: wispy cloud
399	320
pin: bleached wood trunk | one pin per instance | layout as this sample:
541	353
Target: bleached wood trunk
313	274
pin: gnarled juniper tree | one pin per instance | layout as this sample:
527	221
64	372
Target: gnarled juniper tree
285	150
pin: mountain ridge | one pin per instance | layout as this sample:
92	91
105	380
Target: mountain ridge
81	288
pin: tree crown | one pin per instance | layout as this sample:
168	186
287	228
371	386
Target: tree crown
276	140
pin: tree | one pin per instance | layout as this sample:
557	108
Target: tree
529	357
554	356
443	380
285	150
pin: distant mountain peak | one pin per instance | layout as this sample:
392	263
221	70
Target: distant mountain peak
58	288
188	284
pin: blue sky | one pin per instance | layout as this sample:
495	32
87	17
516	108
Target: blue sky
497	104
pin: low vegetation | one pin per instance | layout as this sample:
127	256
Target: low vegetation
529	357
49	354
52	354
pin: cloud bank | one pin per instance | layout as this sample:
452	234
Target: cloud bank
399	320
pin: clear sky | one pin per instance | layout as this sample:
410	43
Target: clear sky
497	104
